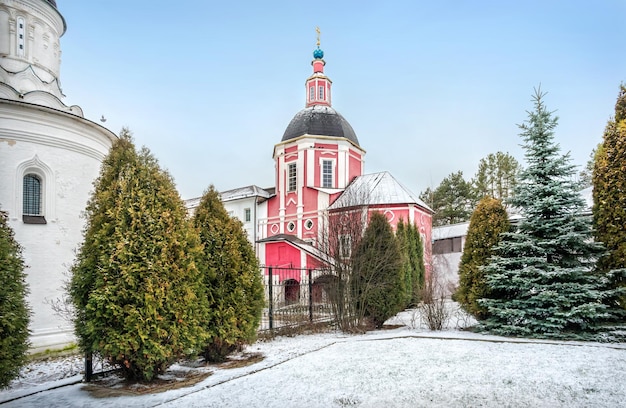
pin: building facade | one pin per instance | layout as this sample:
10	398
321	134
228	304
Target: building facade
319	170
49	157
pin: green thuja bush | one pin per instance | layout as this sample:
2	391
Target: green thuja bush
609	195
488	221
14	313
377	281
139	296
231	277
410	240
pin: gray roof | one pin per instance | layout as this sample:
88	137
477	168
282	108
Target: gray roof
319	120
234	194
377	188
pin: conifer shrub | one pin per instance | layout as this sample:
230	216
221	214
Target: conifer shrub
413	268
609	195
231	277
14	313
488	221
377	280
138	294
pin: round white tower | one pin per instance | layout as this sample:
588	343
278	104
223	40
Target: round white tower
49	157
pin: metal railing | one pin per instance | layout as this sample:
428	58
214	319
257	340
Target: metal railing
294	296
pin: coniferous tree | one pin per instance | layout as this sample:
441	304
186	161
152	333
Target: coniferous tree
453	200
540	282
413	267
378	278
138	294
496	176
14	313
231	276
609	193
488	221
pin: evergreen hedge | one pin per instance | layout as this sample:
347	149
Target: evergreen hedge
138	294
231	276
609	194
14	313
488	221
377	278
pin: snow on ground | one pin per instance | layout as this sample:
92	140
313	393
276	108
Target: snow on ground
404	367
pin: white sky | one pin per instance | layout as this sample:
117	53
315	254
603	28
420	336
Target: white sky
430	87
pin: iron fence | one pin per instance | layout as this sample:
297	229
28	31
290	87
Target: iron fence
295	296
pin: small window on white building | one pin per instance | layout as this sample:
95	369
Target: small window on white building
292	177
21	30
32	198
246	215
327	173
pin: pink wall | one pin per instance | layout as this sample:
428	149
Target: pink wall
282	254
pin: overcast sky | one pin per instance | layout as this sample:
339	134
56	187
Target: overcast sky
430	87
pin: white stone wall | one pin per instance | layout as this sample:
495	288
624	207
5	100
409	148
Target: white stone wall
30	64
66	151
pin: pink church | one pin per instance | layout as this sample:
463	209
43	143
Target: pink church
319	166
319	163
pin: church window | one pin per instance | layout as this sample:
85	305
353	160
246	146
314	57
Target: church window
32	211
327	173
20	35
32	195
246	215
312	93
292	177
345	246
308	224
321	93
291	226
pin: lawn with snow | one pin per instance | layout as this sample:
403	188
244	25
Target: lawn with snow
404	367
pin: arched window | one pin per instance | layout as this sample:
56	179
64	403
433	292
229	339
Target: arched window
32	211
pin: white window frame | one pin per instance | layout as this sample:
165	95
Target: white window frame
47	187
321	92
292	177
312	93
247	215
324	175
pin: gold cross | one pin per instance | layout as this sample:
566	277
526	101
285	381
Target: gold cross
317	29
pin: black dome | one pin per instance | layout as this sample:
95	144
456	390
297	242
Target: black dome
52	2
320	121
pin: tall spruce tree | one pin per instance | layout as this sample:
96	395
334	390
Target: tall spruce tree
609	193
488	221
137	292
231	276
377	278
14	313
540	282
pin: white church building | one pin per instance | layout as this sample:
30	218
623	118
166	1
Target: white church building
49	157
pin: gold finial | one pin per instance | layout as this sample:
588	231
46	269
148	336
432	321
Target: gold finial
317	29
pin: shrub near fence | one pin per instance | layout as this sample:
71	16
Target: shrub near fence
294	297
